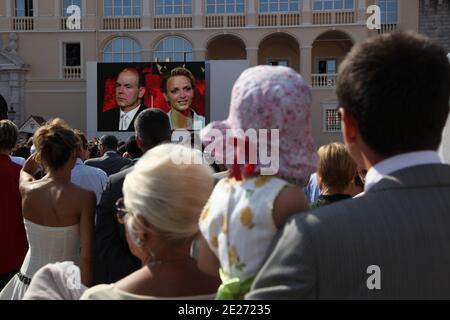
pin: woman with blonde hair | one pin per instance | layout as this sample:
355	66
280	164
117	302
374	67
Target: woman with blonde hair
335	175
163	197
178	88
58	215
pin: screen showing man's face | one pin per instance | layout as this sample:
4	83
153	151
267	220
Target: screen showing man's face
128	93
179	93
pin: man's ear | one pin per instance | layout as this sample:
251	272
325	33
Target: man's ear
141	92
350	129
140	144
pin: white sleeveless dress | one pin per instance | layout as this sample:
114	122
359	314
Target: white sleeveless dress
46	245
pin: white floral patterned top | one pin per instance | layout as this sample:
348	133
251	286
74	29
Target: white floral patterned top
238	225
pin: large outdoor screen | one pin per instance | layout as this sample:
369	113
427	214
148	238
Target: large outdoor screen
126	89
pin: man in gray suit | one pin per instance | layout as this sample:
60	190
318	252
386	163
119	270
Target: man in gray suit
394	241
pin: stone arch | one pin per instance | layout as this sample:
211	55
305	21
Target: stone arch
157	40
280	48
236	48
332	45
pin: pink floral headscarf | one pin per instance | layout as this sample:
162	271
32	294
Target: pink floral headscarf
268	97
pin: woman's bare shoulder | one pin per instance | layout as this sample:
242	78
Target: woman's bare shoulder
32	187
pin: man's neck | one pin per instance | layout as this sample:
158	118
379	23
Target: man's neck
369	158
181	119
128	109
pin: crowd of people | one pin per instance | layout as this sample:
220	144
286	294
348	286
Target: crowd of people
131	223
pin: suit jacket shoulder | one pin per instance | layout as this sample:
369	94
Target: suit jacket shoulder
131	126
108	120
400	226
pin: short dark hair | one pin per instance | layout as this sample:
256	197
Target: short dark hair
174	73
152	128
397	88
22	150
8	135
109	142
132	148
136	71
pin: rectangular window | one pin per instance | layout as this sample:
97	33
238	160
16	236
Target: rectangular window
266	6
119	8
333	5
388	11
66	4
225	6
23	8
72	54
327	66
331	118
173	7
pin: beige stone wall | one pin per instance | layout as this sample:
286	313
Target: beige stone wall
408	15
66	104
49	95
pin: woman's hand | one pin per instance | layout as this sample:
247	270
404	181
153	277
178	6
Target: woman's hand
31	166
29	169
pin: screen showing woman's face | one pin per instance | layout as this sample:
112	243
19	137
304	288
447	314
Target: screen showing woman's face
179	93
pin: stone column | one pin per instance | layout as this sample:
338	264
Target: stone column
306	12
146	17
198	14
252	56
305	62
199	54
361	15
57	8
252	16
8	9
17	103
35	8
